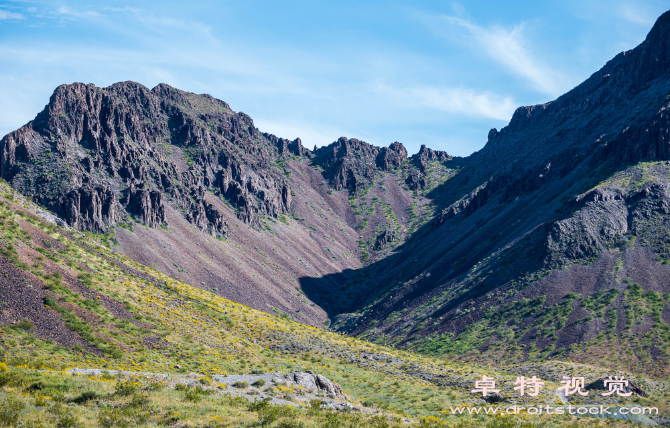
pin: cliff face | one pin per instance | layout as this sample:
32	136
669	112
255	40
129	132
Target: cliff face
98	155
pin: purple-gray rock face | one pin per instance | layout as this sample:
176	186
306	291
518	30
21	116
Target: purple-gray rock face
97	155
353	164
348	163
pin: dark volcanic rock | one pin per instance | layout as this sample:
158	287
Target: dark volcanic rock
385	238
426	155
91	209
391	157
352	164
348	164
96	155
146	205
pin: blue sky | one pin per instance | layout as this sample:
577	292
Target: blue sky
439	73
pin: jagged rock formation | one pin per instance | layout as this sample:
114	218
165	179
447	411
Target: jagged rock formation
349	164
352	164
385	238
106	157
96	155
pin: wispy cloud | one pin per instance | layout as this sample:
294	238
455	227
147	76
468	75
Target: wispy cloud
465	102
636	15
64	10
507	46
6	15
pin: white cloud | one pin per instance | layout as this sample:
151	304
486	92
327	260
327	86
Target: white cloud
5	14
64	10
508	47
459	101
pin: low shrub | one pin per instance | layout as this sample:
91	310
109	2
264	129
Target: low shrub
10	410
84	397
195	394
125	387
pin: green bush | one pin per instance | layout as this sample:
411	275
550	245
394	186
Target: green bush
125	387
259	383
241	384
84	397
10	410
10	378
154	386
24	325
65	417
290	424
122	417
268	413
135	412
195	394
314	407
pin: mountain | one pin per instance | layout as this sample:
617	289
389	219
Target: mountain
551	242
182	183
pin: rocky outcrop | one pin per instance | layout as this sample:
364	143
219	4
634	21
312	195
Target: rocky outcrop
147	205
385	238
217	223
315	382
288	147
416	177
427	155
91	145
348	163
91	208
352	164
391	157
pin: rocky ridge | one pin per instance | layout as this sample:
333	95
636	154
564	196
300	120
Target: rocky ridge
548	237
96	156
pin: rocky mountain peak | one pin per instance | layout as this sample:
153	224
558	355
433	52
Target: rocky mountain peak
352	164
96	155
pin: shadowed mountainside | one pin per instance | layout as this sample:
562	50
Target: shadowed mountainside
554	235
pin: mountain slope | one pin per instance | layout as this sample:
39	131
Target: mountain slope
70	304
182	183
553	235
